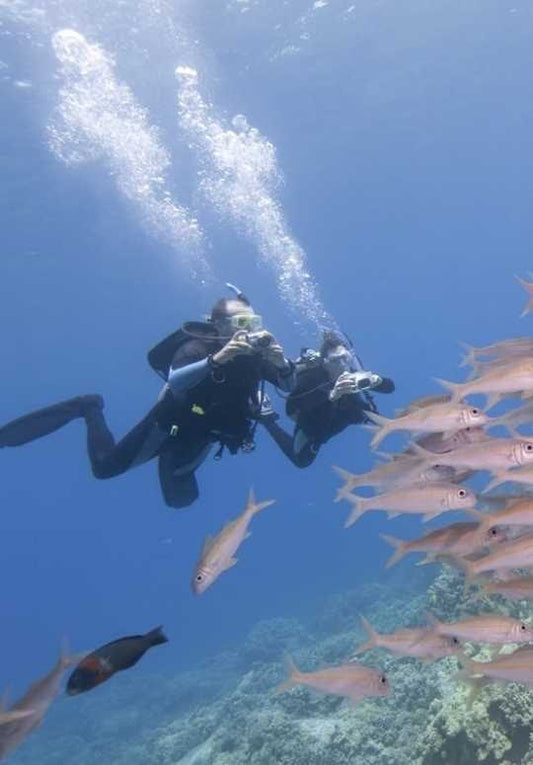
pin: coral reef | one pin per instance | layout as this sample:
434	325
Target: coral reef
224	712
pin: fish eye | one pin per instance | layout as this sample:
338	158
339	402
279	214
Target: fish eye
461	493
455	641
475	412
493	532
529	447
383	679
523	627
199	577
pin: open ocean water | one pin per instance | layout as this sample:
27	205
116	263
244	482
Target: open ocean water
365	165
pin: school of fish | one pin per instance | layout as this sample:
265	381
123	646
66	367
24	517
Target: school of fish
451	444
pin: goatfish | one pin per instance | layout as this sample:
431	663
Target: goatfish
32	707
116	656
494	629
402	471
493	455
496	383
446	417
354	681
440	443
517	588
514	667
517	513
218	553
429	500
457	539
505	349
416	642
517	553
528	286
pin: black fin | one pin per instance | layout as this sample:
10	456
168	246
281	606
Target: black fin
156	636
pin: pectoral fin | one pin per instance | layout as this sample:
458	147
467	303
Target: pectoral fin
230	563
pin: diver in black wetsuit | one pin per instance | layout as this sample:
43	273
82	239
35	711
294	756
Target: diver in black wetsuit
213	370
331	392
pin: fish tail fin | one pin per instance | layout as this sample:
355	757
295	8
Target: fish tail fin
14	714
350	479
528	308
255	507
399	549
484	520
470	355
359	507
156	636
499	477
474	684
383	424
293	674
372	636
66	658
453	388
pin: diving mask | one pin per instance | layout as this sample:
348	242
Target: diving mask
246	321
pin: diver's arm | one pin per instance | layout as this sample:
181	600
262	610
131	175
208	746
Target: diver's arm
298	448
182	379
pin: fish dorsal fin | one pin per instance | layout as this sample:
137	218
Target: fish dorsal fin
251	497
4	700
423	402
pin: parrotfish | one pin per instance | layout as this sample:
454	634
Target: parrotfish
116	656
354	681
218	554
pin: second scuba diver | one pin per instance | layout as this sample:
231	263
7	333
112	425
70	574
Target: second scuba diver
213	374
331	392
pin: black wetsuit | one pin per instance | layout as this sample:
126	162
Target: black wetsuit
179	431
317	419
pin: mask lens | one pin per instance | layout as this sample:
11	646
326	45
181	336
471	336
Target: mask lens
246	321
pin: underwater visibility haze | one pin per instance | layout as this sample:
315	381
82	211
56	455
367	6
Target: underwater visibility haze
358	166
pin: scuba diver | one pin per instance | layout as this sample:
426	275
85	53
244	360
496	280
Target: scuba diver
214	374
330	393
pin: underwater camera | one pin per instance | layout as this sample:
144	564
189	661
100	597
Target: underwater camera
259	340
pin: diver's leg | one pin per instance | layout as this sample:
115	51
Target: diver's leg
44	421
108	458
297	448
177	465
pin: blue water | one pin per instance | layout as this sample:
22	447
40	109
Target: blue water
402	133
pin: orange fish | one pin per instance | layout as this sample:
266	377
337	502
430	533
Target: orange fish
528	286
486	628
417	642
515	377
355	681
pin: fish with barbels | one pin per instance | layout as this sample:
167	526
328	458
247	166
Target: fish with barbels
403	471
444	416
516	667
218	553
459	539
416	642
514	419
353	681
493	455
522	475
494	629
516	513
428	500
32	707
98	666
515	588
528	286
516	553
515	377
505	349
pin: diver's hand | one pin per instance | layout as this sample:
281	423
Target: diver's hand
275	354
237	346
345	385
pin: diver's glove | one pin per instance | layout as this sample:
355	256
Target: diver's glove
349	383
237	346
